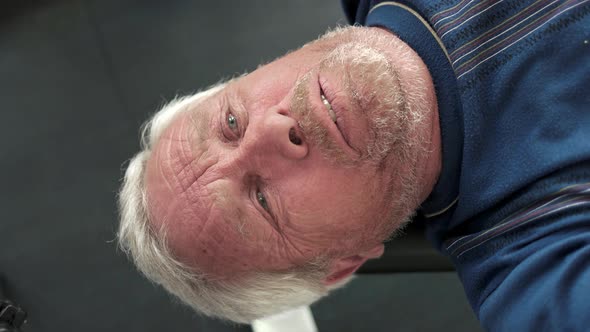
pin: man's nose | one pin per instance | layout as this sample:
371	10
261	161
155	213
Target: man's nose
277	133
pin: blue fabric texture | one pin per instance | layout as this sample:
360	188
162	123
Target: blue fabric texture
512	205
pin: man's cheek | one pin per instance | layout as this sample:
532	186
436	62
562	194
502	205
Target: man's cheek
192	233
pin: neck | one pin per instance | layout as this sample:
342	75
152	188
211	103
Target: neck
417	83
428	162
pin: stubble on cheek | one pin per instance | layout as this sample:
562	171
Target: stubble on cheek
375	88
375	94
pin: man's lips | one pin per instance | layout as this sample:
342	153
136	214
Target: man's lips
344	109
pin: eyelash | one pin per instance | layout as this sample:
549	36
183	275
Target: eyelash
261	197
261	200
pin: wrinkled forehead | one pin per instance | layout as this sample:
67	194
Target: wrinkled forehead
201	230
173	151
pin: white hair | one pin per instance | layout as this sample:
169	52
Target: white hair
256	295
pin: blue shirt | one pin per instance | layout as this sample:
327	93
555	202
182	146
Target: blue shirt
512	204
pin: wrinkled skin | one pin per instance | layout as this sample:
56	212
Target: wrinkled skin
238	187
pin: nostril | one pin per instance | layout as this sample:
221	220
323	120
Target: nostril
293	137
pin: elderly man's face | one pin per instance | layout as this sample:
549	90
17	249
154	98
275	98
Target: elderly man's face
259	176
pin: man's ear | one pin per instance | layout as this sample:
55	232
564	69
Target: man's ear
345	266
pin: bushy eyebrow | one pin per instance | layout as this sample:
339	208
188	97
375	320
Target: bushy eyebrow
201	117
232	214
202	113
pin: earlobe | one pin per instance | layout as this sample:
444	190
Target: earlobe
344	267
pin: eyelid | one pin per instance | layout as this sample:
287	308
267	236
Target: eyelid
260	188
227	134
267	214
236	133
259	195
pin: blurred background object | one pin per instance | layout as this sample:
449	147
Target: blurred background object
77	79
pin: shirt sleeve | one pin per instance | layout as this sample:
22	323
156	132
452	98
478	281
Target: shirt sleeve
531	272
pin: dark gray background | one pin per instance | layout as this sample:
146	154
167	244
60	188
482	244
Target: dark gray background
77	79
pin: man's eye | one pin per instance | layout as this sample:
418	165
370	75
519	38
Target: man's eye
231	128
262	200
232	122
